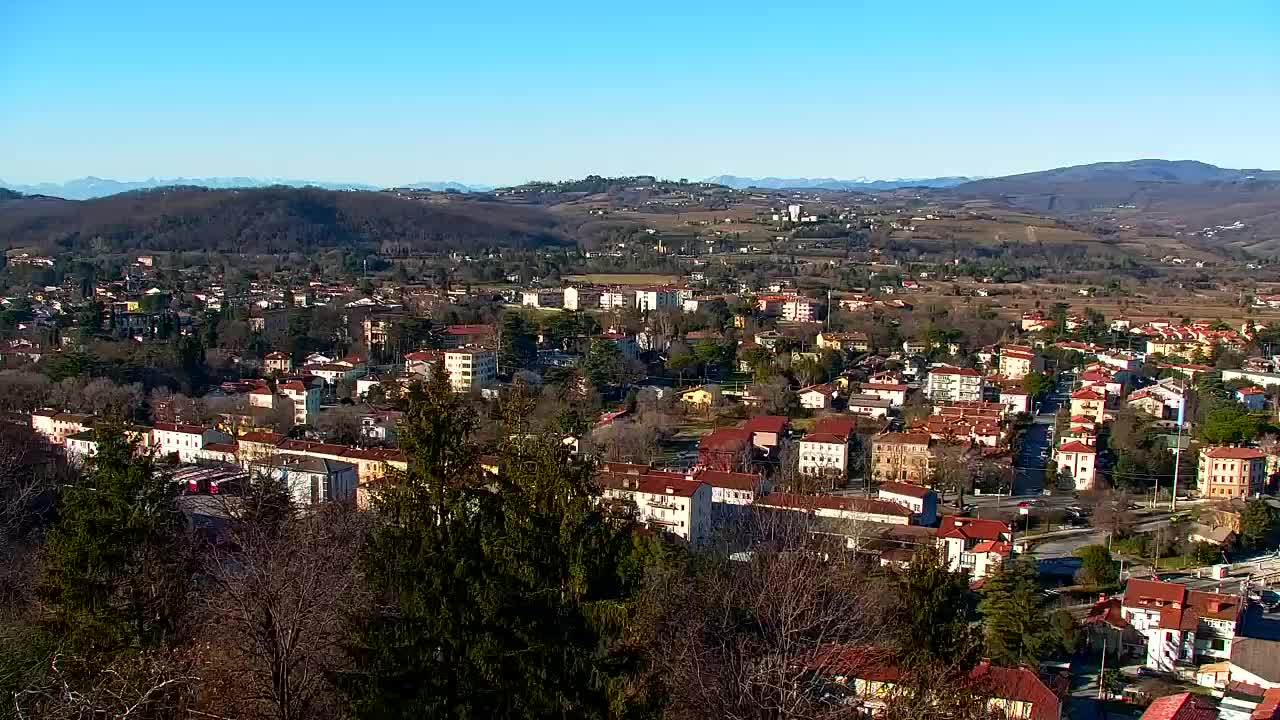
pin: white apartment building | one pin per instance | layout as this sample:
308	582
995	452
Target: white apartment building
953	384
920	500
895	393
470	368
655	298
577	298
542	298
305	399
186	441
615	299
824	454
666	502
1080	461
799	309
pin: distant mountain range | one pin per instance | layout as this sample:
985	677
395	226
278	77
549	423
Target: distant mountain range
94	187
861	183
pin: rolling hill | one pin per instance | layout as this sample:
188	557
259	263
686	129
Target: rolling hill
270	220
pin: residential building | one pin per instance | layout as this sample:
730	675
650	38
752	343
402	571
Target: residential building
422	362
1089	403
311	480
839	507
665	502
871	674
305	399
186	441
768	431
625	343
954	384
824	454
1016	362
1013	397
974	545
799	309
1231	472
1182	706
1080	461
872	406
1163	400
901	457
335	373
1180	626
847	342
464	335
279	363
56	426
581	298
1253	398
616	299
921	501
895	393
701	397
470	368
726	449
657	298
817	397
542	298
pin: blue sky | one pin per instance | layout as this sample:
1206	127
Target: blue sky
389	92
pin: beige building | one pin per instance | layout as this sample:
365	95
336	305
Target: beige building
1016	362
1089	403
470	368
1080	461
56	426
1231	472
901	457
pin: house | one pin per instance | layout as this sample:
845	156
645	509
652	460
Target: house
1013	397
1087	402
901	457
1016	362
1253	397
921	501
846	342
768	431
279	362
1231	472
895	393
974	545
335	372
1163	401
422	362
1080	461
730	488
872	406
470	369
1180	626
839	507
311	480
817	397
726	449
701	397
871	674
305	399
581	298
946	383
665	502
625	343
824	454
915	347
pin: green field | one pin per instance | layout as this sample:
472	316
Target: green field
625	278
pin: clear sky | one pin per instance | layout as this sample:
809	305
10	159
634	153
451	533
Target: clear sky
501	92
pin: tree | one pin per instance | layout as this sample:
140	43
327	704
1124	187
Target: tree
937	628
496	596
604	363
517	347
1097	568
1013	614
1063	635
1257	523
1228	424
776	396
116	564
1034	384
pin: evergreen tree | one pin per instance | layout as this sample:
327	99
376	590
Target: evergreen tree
503	596
1013	613
518	348
1256	523
116	564
938	628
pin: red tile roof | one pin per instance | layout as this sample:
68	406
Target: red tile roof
651	484
1183	706
469	330
841	425
968	372
729	480
904	438
967	528
266	438
767	423
725	439
1075	446
1085	394
791	501
1234	453
828	438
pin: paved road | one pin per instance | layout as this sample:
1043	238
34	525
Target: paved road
1065	546
1029	479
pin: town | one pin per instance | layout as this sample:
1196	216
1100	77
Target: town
1126	465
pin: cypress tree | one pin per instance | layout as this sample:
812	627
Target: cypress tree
502	596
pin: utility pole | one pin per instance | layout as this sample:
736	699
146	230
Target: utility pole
1177	456
1103	670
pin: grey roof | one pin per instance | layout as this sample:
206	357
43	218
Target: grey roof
306	463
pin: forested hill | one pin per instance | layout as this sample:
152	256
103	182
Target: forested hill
270	220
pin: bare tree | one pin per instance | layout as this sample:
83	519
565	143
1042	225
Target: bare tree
144	685
274	620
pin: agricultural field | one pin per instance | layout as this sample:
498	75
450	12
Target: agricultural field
625	279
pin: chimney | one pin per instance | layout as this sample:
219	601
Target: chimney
671	490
